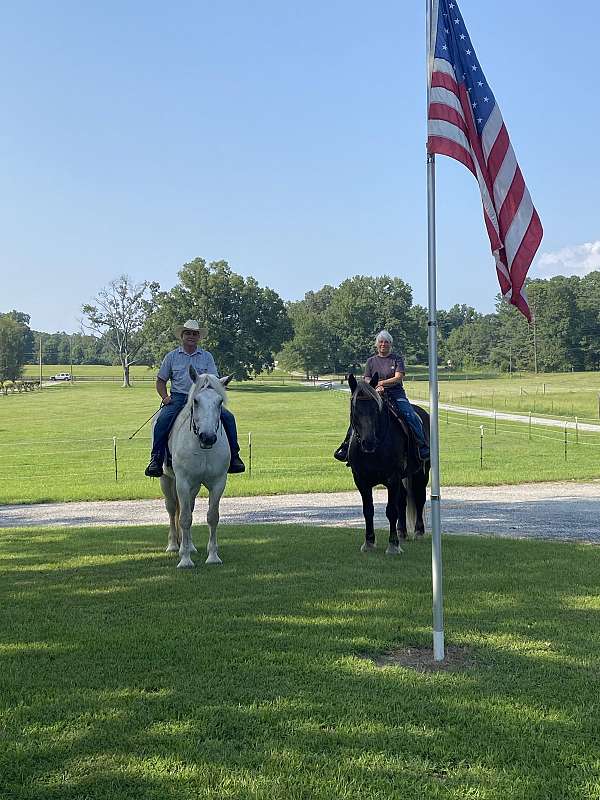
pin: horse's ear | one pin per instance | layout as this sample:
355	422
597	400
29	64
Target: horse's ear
374	380
226	379
193	374
352	383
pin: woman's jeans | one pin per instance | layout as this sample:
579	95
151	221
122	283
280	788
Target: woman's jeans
167	416
408	414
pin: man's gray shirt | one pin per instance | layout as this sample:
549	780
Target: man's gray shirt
176	368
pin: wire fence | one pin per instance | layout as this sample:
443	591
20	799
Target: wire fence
268	453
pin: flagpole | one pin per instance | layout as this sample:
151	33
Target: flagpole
436	532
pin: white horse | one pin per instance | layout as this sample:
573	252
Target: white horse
200	454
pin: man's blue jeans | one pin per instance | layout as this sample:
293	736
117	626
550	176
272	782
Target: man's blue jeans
167	416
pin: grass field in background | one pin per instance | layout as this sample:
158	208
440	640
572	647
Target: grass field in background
560	394
57	444
125	678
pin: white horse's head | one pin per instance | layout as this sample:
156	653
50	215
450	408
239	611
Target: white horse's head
205	400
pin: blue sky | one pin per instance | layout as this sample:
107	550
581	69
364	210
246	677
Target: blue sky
285	138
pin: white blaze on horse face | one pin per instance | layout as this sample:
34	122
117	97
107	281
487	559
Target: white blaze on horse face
207	415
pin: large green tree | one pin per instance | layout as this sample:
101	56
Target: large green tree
118	313
14	342
247	324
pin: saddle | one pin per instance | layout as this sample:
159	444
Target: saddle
414	460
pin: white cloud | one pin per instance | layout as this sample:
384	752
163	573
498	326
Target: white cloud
578	259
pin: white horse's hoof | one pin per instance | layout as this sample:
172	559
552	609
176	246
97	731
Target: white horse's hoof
393	550
172	548
185	563
368	547
213	559
193	548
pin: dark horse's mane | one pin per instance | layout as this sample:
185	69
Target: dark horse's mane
384	453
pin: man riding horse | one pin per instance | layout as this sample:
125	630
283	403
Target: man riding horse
391	370
176	368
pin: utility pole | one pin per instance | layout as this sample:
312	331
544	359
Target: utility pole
71	356
535	360
40	360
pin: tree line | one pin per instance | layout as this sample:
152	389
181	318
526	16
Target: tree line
330	330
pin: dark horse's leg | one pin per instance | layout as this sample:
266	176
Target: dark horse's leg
366	492
419	484
401	524
391	512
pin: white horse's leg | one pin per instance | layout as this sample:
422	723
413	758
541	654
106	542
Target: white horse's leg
167	484
185	522
212	517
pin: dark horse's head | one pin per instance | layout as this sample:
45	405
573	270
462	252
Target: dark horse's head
368	415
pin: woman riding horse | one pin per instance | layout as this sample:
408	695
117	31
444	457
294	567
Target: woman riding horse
391	370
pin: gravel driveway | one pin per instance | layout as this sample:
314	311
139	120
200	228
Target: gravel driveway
562	511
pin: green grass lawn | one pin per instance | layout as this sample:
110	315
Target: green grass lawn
554	394
57	444
124	678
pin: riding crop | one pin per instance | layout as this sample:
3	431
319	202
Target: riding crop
147	421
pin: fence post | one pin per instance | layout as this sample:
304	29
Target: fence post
481	447
249	454
565	441
530	426
115	456
494	422
576	431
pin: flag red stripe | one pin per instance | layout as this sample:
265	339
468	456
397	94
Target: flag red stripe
446	147
527	250
511	203
448	114
497	153
445	81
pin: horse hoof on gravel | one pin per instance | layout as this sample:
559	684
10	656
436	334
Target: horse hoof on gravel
185	563
393	550
213	559
368	547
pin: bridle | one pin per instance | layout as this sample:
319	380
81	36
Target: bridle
194	427
386	414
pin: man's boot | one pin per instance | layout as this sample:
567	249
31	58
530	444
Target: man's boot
154	468
236	464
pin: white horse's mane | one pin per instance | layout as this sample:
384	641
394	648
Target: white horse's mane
206	381
364	389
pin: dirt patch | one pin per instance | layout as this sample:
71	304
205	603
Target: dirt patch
421	659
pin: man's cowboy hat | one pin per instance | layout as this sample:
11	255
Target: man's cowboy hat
190	325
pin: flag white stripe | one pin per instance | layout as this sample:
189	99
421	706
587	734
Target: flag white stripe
447	130
446	97
441	65
504	178
518	228
490	131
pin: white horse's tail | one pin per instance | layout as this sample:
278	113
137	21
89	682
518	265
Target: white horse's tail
411	506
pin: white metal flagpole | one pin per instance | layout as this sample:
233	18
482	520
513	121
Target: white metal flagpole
436	532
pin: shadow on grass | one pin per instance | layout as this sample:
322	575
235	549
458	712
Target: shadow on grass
123	677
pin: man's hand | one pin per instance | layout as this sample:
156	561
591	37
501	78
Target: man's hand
380	389
166	400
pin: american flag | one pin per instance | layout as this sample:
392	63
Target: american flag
465	123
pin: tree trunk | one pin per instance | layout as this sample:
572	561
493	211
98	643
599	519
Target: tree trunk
126	382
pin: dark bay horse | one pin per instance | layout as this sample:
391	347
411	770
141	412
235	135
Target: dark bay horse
382	452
